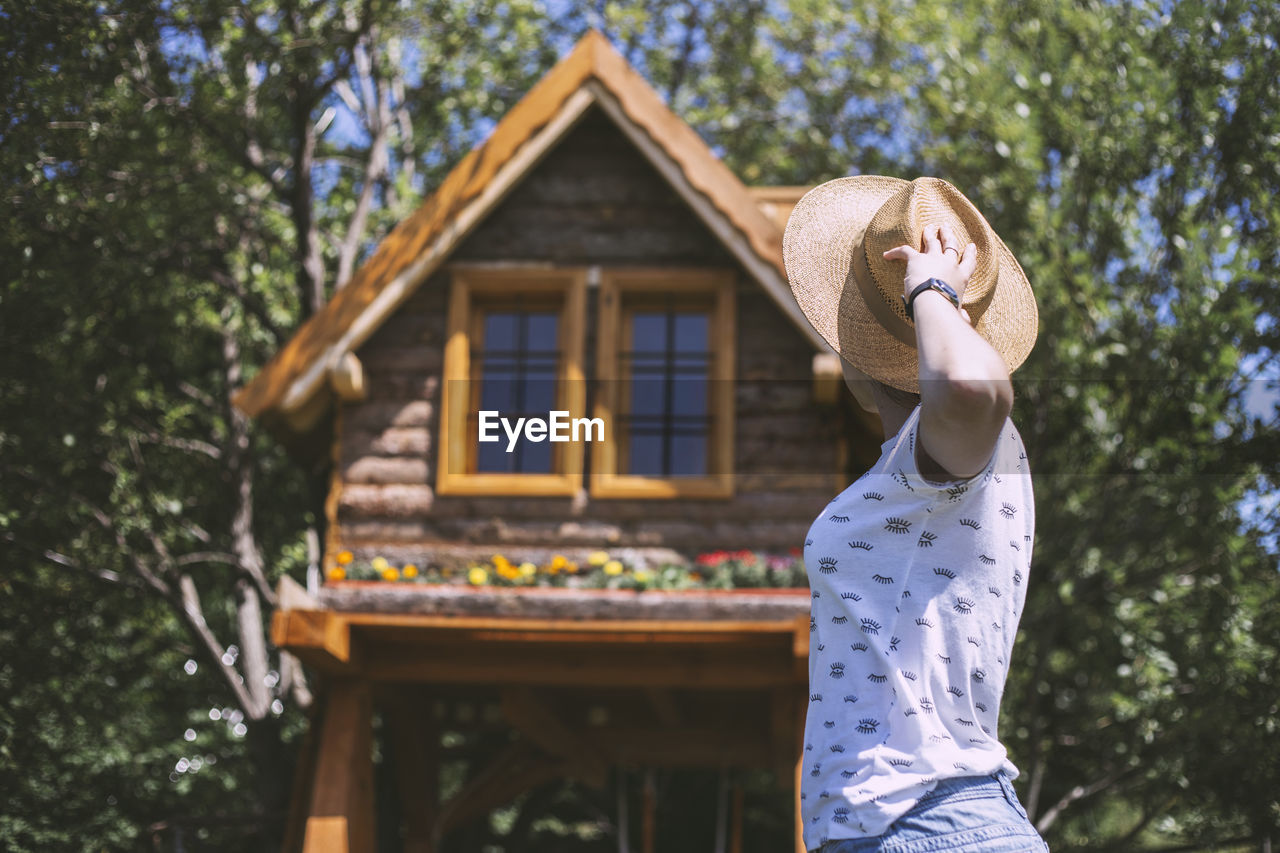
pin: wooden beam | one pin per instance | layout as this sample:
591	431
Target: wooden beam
797	727
828	378
735	839
690	746
782	714
303	780
664	705
415	747
320	637
346	377
517	769
576	665
648	815
341	816
532	718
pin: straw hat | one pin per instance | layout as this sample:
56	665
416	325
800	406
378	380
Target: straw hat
834	246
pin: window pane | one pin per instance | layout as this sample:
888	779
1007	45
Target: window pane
500	330
519	365
689	454
689	396
539	394
648	397
670	366
649	332
535	457
497	390
646	454
691	333
493	458
542	330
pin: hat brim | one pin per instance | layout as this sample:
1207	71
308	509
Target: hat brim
826	229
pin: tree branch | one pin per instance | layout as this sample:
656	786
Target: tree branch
1077	793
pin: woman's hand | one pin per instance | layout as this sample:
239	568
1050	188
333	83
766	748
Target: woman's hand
942	258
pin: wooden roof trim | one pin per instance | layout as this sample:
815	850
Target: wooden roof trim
770	274
417	246
701	168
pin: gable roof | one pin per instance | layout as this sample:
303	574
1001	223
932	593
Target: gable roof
592	73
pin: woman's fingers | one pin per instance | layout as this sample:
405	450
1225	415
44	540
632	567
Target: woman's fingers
949	241
931	236
900	253
969	261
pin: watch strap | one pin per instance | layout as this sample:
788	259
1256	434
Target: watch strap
932	284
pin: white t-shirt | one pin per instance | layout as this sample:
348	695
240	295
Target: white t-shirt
917	591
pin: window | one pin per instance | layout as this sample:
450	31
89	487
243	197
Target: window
665	360
514	347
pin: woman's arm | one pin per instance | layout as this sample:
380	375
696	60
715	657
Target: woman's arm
965	392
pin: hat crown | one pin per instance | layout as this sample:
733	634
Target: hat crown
901	220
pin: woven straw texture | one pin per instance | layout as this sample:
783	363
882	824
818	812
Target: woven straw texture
833	249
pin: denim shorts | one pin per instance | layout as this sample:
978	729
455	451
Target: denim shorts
970	814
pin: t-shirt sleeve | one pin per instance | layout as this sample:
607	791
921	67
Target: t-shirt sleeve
907	467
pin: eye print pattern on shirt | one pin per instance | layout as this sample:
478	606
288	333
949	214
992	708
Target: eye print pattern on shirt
875	533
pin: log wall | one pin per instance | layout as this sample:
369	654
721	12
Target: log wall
593	200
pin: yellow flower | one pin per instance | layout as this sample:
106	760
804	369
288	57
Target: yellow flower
571	568
558	562
379	564
509	572
390	574
345	557
477	576
553	569
337	573
499	560
410	571
613	567
598	558
528	569
643	575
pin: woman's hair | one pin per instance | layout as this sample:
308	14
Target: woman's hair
906	399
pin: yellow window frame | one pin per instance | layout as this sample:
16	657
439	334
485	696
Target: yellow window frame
716	286
472	292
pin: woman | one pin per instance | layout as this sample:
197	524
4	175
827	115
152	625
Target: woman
919	569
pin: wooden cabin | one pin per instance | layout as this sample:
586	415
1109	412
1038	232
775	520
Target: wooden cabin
593	257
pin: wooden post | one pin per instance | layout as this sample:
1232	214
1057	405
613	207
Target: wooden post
735	840
415	741
650	808
341	817
802	708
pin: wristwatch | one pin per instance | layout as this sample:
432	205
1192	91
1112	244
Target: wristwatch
932	284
